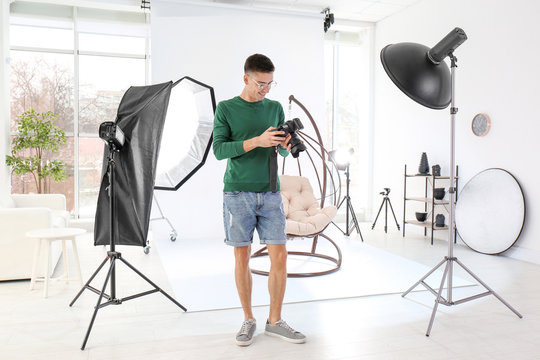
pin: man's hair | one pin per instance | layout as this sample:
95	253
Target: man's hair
258	63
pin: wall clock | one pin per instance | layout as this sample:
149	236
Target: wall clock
480	124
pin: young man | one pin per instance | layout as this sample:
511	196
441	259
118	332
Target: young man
245	134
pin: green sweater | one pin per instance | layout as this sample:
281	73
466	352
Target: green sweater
237	120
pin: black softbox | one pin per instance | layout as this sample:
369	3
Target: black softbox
141	116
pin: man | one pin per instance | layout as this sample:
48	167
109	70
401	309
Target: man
245	134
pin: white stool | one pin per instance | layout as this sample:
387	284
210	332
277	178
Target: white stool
48	236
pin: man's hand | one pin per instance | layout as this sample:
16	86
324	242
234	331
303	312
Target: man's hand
285	143
268	138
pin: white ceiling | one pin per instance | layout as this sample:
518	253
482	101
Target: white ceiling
357	10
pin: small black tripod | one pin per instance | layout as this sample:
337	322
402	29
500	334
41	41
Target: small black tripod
350	209
113	255
385	202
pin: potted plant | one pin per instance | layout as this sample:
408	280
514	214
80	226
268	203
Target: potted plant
38	136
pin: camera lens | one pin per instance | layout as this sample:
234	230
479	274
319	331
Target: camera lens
296	146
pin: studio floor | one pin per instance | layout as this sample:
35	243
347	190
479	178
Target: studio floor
359	327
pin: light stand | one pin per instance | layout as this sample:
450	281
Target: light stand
386	201
349	206
113	255
423	76
173	233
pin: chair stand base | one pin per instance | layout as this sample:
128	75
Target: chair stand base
336	261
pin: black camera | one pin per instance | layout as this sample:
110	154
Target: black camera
385	192
111	133
290	127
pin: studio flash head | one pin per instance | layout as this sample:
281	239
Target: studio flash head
112	134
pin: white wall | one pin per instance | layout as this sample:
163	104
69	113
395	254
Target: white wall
211	44
497	73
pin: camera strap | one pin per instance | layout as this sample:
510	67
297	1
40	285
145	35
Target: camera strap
273	168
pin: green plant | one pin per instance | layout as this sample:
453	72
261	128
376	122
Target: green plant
37	137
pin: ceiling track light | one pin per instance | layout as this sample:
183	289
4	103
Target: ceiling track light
328	19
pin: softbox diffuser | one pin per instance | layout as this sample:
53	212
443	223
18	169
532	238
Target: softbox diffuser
141	116
187	133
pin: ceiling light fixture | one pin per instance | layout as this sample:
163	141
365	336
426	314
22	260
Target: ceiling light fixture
328	19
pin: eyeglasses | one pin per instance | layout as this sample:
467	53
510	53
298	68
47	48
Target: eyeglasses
263	85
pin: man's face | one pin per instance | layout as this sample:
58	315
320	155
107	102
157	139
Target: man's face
258	84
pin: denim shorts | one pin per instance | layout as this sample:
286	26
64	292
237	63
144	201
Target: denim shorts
243	212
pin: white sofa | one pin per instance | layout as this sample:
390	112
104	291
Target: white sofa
20	213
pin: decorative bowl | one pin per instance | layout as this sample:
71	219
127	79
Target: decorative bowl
421	216
438	193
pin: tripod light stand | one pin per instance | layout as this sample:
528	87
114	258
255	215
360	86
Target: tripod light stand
422	74
115	143
341	159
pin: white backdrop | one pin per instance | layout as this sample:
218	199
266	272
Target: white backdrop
210	44
496	74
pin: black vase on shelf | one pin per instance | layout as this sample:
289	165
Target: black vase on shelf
423	168
436	169
439	220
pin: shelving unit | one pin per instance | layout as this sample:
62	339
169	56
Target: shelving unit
430	203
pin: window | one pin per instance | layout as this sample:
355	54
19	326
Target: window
348	104
41	37
42	81
78	63
102	82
